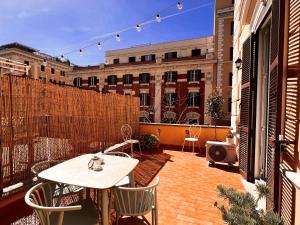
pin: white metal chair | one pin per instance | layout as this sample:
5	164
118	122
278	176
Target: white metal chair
40	199
136	201
126	132
191	138
59	189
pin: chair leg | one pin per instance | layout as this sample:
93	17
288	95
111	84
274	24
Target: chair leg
131	179
153	216
156	216
183	145
140	148
131	145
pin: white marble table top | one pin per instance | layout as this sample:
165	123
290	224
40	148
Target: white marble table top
76	172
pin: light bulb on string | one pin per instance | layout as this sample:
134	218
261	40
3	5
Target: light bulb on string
138	28
80	52
179	6
99	46
158	18
118	38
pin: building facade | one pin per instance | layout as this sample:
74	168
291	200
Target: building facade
172	79
223	39
265	104
41	66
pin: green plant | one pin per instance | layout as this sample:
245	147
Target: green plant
148	141
214	105
242	207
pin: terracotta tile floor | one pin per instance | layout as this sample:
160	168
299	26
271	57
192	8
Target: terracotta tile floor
187	190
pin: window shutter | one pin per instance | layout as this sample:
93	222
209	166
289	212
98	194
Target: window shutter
197	99
89	81
274	111
148	99
74	81
247	117
292	110
143	58
166	56
153	57
166	76
189	76
175	76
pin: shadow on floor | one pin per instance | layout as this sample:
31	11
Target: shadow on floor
151	162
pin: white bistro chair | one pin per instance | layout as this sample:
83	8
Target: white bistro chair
191	137
136	201
126	132
40	199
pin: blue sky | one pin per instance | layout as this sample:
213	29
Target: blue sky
59	26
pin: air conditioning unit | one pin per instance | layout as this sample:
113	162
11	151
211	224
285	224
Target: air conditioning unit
220	152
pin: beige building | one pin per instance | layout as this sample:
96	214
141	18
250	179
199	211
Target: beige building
42	66
173	79
223	37
265	99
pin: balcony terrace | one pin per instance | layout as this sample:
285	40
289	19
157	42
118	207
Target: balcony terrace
49	122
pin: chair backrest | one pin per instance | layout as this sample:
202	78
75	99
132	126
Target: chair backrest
126	132
43	165
136	201
193	132
122	154
40	199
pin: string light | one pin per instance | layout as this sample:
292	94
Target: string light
138	28
118	38
158	18
99	46
179	6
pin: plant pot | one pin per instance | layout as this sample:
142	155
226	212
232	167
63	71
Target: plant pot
229	141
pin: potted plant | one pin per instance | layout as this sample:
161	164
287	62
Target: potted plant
243	207
214	105
229	138
149	141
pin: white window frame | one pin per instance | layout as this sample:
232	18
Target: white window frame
193	74
144	99
193	93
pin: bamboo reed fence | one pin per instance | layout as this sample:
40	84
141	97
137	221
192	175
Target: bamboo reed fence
41	121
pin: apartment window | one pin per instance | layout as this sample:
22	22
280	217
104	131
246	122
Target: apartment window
170	55
170	76
231	27
127	94
62	73
230	79
144	99
77	82
193	76
131	59
43	68
62	83
112	80
127	79
92	81
52	70
231	53
170	99
196	52
193	99
116	61
229	104
144	78
26	62
148	58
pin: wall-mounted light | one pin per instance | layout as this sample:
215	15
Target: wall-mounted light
238	64
45	62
